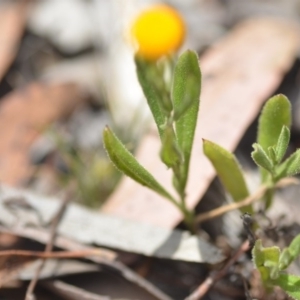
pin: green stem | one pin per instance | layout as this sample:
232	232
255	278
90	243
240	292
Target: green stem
268	197
189	217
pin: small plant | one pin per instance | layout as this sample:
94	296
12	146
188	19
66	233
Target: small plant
269	150
271	262
174	103
175	112
172	89
173	100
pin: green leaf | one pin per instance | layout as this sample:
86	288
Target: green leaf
285	259
290	167
266	260
290	284
170	153
275	114
126	163
290	254
294	247
258	260
187	67
153	96
261	158
271	260
282	144
229	171
272	155
192	85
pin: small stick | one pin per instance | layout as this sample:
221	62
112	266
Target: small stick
55	222
213	278
51	254
96	255
249	200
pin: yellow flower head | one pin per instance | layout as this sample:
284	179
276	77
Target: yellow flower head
158	31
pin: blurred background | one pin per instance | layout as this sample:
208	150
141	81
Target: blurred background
72	62
67	70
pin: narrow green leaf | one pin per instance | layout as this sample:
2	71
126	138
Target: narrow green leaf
229	171
187	67
290	253
261	158
258	260
170	153
282	144
126	163
294	247
285	259
290	284
290	167
153	96
272	155
192	85
275	114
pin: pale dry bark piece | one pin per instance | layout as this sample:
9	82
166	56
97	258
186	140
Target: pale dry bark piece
88	227
24	114
13	16
239	74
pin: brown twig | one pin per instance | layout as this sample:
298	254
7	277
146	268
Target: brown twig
55	221
42	236
68	291
51	254
97	255
247	201
213	278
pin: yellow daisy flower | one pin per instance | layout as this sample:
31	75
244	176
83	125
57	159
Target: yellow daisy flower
158	31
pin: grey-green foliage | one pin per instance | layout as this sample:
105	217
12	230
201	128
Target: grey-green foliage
170	153
261	158
282	144
272	143
186	99
275	114
146	72
175	113
271	262
128	164
290	167
229	172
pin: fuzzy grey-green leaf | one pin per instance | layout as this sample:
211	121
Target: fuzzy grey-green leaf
282	143
153	96
257	254
170	153
261	159
285	259
290	284
290	167
192	83
275	114
294	247
187	67
127	163
229	171
272	155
